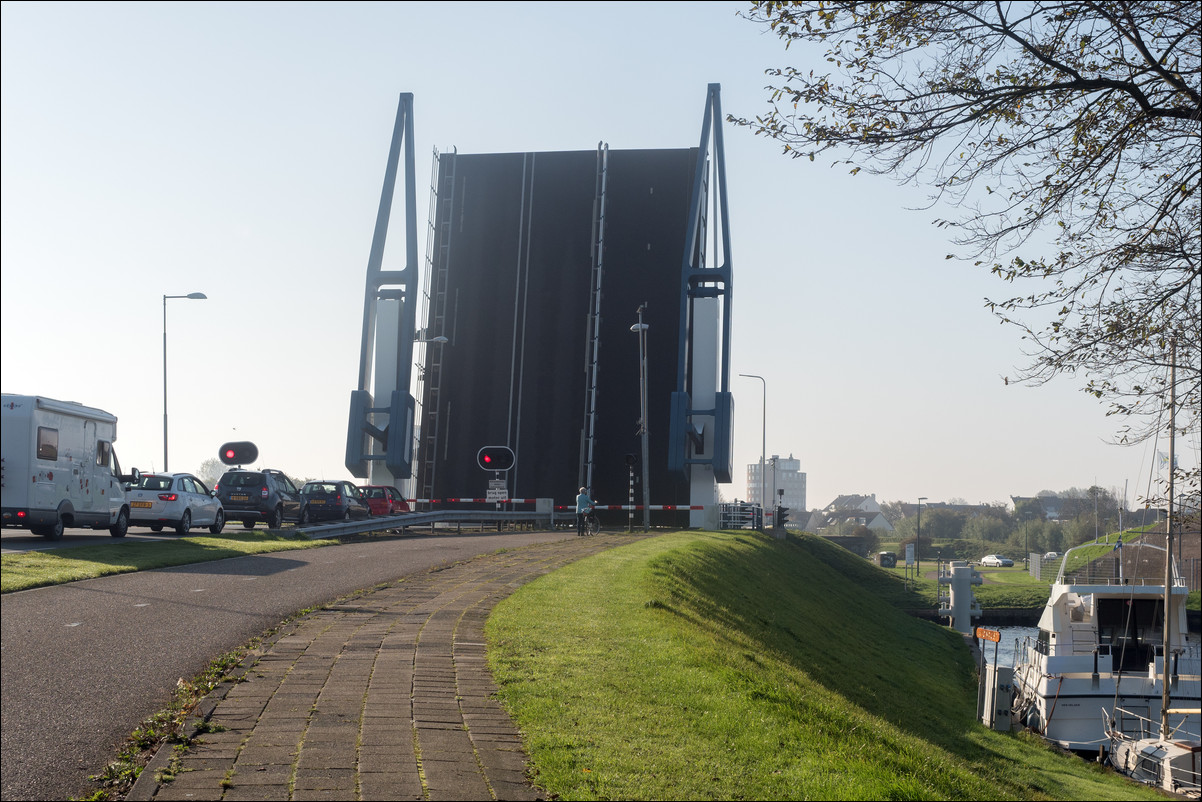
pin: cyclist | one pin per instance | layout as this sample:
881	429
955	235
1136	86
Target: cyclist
584	505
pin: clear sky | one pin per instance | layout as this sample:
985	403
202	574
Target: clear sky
238	149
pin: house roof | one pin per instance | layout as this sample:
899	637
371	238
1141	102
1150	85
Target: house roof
849	502
870	518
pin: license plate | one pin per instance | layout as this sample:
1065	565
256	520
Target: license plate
317	501
239	498
141	504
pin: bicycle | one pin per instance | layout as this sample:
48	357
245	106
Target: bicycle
591	525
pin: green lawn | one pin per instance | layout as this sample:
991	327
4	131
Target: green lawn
33	569
698	665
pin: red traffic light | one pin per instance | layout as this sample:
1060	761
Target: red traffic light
495	458
240	453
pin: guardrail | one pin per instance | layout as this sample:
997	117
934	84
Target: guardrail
343	528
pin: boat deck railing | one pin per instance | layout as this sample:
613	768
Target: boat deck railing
1185	660
1182	724
1134	563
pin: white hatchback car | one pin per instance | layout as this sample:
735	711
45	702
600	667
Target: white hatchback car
996	561
178	500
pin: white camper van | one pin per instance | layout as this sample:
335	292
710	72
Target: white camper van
59	467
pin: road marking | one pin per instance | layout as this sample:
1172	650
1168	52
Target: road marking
76	624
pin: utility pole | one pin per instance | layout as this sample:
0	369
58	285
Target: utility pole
641	328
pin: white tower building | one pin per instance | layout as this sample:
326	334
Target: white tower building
781	473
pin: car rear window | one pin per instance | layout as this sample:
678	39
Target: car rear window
154	483
242	479
318	487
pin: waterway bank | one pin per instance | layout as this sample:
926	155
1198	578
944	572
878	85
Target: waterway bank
995	617
1025	617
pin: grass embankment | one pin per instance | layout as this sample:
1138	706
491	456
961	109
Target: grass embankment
1003	589
34	569
699	665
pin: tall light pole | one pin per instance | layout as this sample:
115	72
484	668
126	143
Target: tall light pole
194	296
774	459
918	538
641	329
763	444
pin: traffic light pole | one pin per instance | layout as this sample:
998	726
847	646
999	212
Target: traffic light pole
641	328
630	511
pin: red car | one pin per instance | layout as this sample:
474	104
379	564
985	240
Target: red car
384	500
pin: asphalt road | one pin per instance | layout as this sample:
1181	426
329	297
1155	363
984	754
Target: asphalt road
84	663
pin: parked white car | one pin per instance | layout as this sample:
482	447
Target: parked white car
1053	555
178	500
996	561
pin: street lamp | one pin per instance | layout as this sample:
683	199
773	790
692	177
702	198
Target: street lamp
774	459
640	328
763	444
193	296
918	538
419	340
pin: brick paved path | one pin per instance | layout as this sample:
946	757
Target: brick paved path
383	696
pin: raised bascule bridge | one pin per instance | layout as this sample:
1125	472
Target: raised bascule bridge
573	311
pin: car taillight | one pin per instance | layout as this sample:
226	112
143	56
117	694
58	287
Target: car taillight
167	497
263	492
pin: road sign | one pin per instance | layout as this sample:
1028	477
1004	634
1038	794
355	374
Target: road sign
989	634
497	491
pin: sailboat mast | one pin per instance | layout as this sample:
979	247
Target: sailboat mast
1168	543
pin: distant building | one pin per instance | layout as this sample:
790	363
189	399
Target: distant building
861	503
782	473
860	510
1049	504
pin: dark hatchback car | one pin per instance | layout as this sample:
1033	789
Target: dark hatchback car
251	496
332	501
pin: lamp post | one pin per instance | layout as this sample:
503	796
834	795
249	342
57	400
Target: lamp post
419	340
763	444
918	538
774	459
641	329
194	296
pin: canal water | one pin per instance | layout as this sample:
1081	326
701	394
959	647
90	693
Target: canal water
1011	637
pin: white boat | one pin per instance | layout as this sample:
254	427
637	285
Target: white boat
1162	754
1172	764
1113	640
1099	655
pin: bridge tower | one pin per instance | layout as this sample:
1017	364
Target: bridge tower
379	441
700	428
